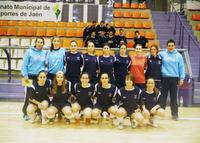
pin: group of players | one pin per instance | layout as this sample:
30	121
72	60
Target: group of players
93	84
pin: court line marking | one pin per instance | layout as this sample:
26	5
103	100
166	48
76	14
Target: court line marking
192	119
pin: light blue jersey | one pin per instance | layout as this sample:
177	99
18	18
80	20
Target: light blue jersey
33	62
172	64
55	60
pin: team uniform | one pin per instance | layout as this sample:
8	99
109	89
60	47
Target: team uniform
90	66
121	69
154	69
150	99
106	65
73	66
33	63
105	97
129	99
40	93
93	39
54	62
83	95
137	70
60	100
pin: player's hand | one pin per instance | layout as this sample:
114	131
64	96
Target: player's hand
181	82
40	105
153	111
145	112
26	80
94	97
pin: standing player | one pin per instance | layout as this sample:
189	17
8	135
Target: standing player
121	66
151	102
90	63
74	63
38	97
83	92
33	63
55	58
138	63
128	100
172	69
154	62
105	94
61	90
106	63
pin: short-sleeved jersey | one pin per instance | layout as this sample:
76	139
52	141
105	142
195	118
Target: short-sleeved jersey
149	99
55	60
137	68
105	96
106	65
90	65
83	95
154	67
40	93
121	66
60	97
129	99
74	63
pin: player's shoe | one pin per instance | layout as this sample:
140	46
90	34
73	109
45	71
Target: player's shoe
26	117
110	122
140	124
67	121
44	122
32	119
77	123
87	120
100	120
175	118
153	123
51	121
120	126
133	124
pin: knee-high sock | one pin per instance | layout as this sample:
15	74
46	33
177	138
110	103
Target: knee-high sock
44	113
76	115
120	119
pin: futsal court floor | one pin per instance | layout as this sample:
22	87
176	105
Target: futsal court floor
13	129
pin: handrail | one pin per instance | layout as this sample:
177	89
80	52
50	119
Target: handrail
171	4
185	51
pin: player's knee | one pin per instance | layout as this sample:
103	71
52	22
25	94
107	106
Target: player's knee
112	110
146	114
75	107
87	113
50	112
161	113
30	110
139	118
67	111
120	113
95	113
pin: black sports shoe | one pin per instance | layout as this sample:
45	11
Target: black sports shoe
51	121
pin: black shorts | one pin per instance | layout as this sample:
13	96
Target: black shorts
103	107
129	111
60	106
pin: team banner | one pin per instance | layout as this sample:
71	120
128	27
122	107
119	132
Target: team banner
38	11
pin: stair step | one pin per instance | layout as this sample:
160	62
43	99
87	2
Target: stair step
196	85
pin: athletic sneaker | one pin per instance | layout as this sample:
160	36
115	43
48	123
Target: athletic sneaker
153	123
26	117
133	124
140	124
51	121
110	122
59	115
44	121
77	122
40	117
120	126
175	118
67	121
87	120
99	120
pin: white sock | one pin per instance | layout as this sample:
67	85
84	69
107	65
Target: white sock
69	117
50	117
112	116
44	113
76	115
155	117
32	116
133	120
120	119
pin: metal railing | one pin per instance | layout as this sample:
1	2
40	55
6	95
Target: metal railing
6	48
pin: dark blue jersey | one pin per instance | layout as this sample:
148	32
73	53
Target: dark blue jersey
73	64
128	99
106	65
154	67
40	93
105	96
60	97
83	95
150	99
90	65
121	66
